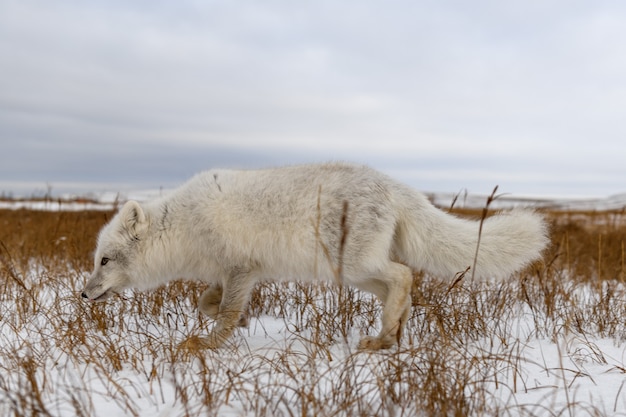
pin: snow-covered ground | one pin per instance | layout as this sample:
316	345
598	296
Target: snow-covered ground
503	201
540	345
63	357
109	201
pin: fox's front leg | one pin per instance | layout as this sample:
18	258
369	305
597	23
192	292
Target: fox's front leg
234	296
210	301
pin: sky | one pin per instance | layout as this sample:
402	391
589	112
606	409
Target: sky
443	95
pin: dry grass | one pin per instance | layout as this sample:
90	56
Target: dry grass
464	343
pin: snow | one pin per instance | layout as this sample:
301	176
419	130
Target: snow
294	358
505	201
110	201
276	365
56	205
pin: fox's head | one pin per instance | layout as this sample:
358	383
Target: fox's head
116	250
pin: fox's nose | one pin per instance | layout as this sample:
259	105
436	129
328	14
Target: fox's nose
84	295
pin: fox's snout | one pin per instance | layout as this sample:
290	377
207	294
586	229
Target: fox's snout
94	289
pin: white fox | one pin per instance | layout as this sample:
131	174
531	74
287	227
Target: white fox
311	222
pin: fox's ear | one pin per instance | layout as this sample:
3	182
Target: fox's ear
133	218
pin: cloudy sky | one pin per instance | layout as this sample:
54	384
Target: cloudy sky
444	95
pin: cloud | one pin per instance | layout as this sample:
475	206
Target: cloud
152	90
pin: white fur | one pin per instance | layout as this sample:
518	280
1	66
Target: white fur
236	228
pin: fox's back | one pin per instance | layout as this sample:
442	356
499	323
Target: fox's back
293	213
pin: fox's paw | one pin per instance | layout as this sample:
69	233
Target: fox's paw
376	343
195	344
243	320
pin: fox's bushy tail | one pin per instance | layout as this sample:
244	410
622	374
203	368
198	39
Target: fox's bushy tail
442	244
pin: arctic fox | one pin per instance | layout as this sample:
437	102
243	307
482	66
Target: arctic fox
332	221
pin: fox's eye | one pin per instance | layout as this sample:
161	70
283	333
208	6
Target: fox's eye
104	261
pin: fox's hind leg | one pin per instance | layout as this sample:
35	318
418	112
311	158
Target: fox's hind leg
393	287
210	301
